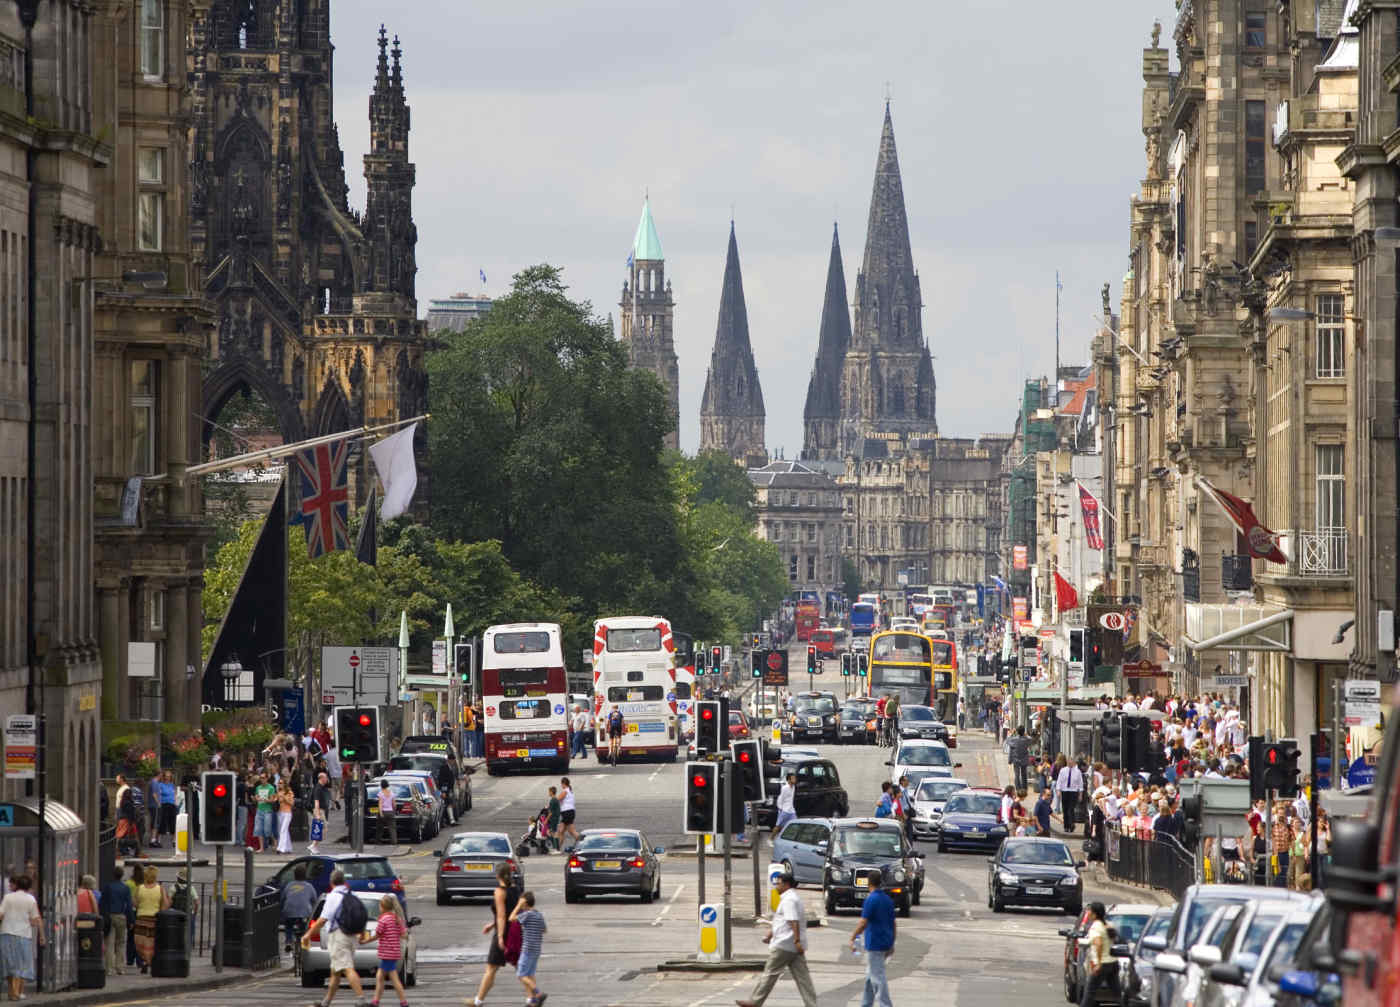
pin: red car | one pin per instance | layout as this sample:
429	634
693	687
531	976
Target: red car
738	726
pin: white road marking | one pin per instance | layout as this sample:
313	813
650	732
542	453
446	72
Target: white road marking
667	908
655	773
728	989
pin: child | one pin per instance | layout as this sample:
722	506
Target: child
389	932
532	930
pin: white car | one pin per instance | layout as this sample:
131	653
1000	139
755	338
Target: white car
929	799
921	756
316	960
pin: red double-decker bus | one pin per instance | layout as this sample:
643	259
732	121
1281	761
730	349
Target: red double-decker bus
524	697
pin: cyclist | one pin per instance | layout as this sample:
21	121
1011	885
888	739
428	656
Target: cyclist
880	721
298	905
892	719
616	729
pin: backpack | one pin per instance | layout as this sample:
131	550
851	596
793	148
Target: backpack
352	917
180	898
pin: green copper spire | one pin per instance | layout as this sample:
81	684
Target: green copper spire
646	247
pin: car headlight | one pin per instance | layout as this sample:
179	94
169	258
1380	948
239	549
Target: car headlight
1069	882
899	874
997	830
837	874
951	827
1006	877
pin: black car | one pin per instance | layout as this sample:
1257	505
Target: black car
922	722
854	723
861	847
455	785
613	862
412	816
813	716
1031	871
971	818
818	792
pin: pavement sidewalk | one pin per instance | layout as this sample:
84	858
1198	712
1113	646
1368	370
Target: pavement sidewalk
133	985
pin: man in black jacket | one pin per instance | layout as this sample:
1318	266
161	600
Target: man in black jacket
1018	750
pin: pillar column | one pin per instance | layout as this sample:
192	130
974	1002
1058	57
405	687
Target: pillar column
194	698
123	623
176	651
113	641
177	433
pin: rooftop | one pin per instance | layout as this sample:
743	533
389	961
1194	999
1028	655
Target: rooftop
646	246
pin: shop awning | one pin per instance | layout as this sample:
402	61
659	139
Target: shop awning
1239	627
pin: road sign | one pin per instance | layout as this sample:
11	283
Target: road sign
1362	713
363	676
775	668
1363	689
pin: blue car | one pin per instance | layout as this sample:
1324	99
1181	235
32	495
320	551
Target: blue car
364	872
971	819
797	848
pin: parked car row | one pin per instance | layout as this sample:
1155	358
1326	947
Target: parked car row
1220	946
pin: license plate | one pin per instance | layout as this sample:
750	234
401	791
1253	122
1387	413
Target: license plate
862	882
607	865
373	811
1035	890
522	753
974	832
632	728
476	867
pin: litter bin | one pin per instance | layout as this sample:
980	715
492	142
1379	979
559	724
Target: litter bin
92	971
172	957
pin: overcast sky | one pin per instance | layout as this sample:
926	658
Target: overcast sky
537	127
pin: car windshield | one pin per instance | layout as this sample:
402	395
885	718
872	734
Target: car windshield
1286	944
1258	933
820	704
1128	925
924	755
938	790
1200	912
1157	926
973	804
478	844
853	713
875	842
365	869
1035	853
609	842
917	713
735	717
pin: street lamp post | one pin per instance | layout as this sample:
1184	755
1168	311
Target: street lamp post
449	631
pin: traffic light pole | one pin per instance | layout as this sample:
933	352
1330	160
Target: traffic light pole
1269	837
357	815
219	908
726	805
755	844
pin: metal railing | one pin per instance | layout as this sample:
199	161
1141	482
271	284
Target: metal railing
1323	552
1236	573
1149	859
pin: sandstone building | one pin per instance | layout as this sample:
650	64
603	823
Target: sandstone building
648	315
798	509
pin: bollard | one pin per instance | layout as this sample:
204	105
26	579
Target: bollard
775	871
92	970
182	832
172	957
714	920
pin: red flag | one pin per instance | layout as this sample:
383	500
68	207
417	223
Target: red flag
1260	542
1089	504
1066	597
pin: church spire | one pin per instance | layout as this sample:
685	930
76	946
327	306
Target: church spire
824	388
731	410
887	298
389	178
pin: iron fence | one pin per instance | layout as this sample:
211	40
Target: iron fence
1153	860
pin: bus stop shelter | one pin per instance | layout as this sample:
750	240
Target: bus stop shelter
21	840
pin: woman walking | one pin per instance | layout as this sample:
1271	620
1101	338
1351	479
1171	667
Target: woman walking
503	903
286	801
150	899
19	922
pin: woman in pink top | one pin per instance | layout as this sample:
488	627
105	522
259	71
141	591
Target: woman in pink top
389	931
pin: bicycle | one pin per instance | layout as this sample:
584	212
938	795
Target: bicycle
296	929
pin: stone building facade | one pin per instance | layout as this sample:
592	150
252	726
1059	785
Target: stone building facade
316	303
648	313
731	410
798	509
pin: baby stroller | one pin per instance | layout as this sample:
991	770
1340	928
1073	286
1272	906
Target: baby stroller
536	837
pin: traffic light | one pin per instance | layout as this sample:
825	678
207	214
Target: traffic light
756	642
1281	767
1258	790
1137	731
748	769
758	656
846	662
466	659
701	797
811	660
1191	811
1157	756
1113	740
218	808
357	733
863	664
716	652
708	726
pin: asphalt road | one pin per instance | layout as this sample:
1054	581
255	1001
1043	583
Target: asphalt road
605	951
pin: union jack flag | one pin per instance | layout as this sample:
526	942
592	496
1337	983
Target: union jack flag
325	496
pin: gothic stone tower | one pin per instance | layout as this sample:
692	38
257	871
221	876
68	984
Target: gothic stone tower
648	315
731	412
822	415
887	382
316	304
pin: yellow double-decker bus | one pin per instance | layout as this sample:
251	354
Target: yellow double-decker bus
921	670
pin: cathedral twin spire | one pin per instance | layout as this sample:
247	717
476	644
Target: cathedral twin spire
731	410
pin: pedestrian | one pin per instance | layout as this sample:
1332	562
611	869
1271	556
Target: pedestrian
1096	955
566	815
286	801
878	926
20	922
389	931
320	810
1019	755
117	913
532	931
480	729
469	730
579	725
787	808
128	819
298	905
905	799
166	826
339	940
1069	784
1008	798
787	947
152	795
185	899
151	898
884	807
265	821
388	824
503	898
1042	813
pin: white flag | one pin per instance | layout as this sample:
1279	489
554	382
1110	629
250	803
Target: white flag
393	457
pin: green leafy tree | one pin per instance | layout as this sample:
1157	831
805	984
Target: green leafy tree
850	578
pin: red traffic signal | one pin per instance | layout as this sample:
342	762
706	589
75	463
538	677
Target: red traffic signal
220	790
745	755
707	713
364	720
700	780
1271	755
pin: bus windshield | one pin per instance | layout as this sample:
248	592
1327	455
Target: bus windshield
528	642
900	647
632	641
942	653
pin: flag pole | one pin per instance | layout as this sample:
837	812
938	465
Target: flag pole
284	450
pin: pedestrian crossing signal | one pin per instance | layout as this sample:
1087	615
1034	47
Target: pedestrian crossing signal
758	656
863	664
701	797
846	663
811	660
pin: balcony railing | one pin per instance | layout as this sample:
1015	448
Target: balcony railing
1190	575
1236	573
1323	552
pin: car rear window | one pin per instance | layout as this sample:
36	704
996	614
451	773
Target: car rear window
401	791
365	869
478	844
1202	908
1128	925
924	755
608	842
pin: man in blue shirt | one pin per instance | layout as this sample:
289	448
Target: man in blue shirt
1042	813
877	924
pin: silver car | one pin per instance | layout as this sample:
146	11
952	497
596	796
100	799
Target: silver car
316	960
467	865
929	799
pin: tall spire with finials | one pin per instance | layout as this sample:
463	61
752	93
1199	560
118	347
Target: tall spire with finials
388	222
823	411
648	315
888	383
731	410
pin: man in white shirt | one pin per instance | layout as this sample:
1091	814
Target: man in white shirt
787	948
787	809
579	724
342	945
1069	783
